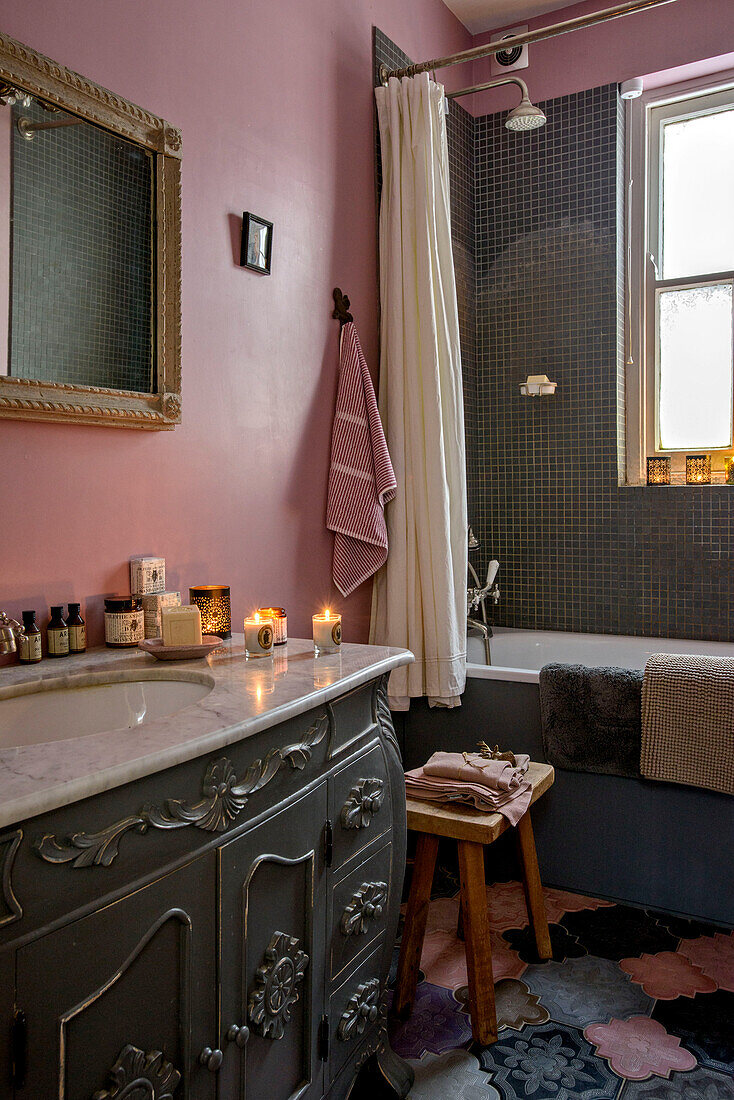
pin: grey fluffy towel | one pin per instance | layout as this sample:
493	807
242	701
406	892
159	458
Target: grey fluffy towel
591	718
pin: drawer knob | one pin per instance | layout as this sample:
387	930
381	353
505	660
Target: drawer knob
238	1035
365	905
212	1059
363	1009
364	801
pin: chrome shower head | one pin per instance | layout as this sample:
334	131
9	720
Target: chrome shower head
526	116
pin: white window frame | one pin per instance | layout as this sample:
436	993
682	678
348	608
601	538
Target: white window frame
644	117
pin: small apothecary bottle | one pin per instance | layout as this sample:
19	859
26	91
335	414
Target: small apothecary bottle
57	634
29	649
123	621
77	630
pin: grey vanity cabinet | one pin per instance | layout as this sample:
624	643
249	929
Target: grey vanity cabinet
136	978
218	930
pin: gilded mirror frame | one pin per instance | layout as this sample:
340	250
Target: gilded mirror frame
29	399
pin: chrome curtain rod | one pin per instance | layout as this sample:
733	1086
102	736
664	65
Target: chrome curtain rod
538	35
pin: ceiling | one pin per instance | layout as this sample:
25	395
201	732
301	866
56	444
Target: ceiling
486	15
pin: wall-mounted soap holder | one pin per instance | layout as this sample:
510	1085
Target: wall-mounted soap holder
538	385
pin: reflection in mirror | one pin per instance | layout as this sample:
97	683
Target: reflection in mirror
76	251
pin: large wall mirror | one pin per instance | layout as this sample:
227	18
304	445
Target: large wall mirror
90	251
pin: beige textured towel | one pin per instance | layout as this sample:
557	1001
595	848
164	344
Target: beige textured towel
688	720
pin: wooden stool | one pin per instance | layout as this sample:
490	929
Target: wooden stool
472	829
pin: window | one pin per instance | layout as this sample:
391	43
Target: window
680	276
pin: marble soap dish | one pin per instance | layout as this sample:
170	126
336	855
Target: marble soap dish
162	652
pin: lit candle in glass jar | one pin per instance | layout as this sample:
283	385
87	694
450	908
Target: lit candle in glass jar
258	636
327	632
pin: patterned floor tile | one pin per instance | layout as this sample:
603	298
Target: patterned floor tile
444	959
436	1025
715	955
683	927
393	975
456	1075
705	1024
443	915
564	944
699	1084
639	1047
550	1062
516	1006
586	991
667	975
507	908
618	932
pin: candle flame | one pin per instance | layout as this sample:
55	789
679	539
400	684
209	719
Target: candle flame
257	616
326	613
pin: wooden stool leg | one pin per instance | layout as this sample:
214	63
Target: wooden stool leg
415	923
478	950
533	886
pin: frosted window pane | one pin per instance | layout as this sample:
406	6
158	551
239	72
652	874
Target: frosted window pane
695	396
698	184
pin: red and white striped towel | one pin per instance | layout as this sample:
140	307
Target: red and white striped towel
361	478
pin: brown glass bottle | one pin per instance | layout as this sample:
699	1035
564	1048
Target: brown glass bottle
57	634
77	630
29	647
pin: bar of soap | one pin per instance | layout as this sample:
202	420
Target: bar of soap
153	604
181	625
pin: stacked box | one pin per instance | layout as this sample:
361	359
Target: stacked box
147	575
153	603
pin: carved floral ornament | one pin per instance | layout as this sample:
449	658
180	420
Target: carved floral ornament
140	1076
277	985
223	799
365	905
365	799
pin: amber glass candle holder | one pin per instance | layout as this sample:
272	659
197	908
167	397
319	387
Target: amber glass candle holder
729	470
658	471
213	602
698	469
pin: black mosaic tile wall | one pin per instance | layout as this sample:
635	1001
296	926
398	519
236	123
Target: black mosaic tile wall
460	138
577	550
81	245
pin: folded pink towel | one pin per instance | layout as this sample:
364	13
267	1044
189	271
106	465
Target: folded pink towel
512	802
499	775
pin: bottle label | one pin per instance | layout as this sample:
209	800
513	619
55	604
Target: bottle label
124	627
30	648
58	641
77	638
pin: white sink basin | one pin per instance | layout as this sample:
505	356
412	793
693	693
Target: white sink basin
58	709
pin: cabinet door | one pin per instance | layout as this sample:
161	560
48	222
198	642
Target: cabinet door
127	993
272	955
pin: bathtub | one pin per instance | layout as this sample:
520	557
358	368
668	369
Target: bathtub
520	654
632	840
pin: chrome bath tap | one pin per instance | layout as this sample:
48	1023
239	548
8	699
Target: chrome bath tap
476	597
10	632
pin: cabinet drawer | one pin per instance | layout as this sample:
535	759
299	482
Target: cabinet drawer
354	1011
360	804
359	909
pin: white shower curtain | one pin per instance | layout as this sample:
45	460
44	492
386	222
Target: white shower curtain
419	596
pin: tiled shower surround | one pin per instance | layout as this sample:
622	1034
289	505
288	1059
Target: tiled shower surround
577	550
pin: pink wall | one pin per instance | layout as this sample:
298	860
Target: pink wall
275	104
674	34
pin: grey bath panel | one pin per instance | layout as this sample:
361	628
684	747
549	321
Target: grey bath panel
660	845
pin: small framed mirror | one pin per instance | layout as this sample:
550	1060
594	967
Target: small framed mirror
90	251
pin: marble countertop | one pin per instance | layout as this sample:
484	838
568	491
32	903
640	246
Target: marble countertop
246	697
